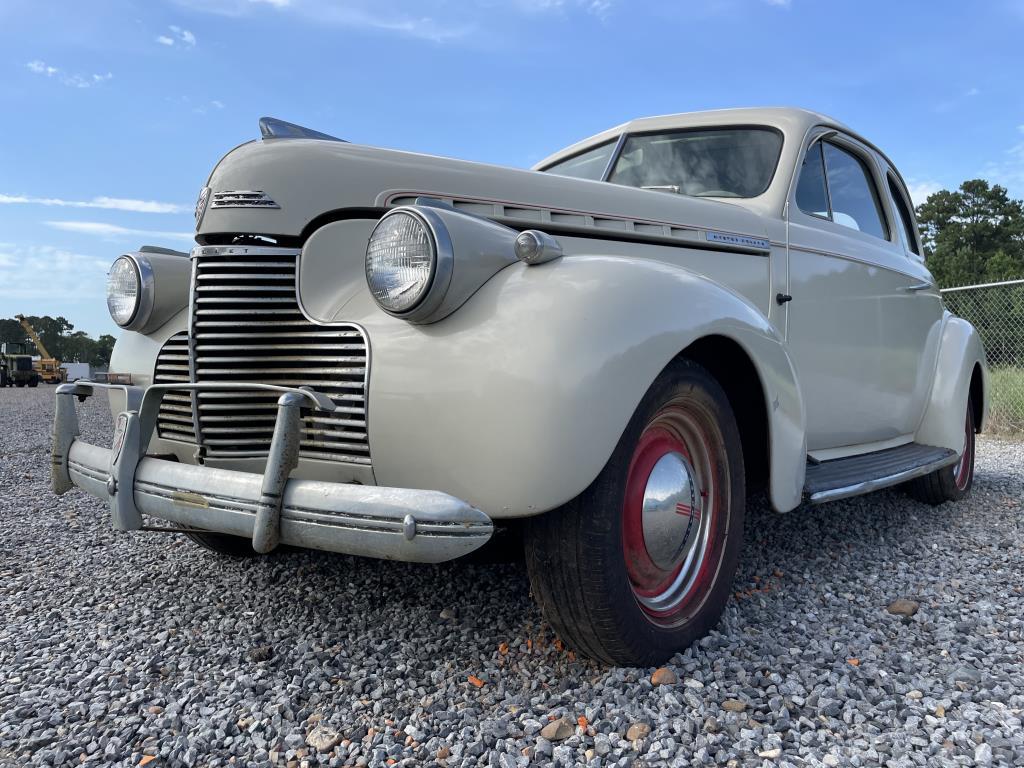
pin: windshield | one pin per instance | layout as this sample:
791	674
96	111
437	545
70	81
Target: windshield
586	165
707	162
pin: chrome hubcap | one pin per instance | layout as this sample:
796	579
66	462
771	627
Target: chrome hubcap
672	511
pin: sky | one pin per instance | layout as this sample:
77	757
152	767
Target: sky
115	111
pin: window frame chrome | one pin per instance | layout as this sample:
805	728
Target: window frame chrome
895	184
616	145
865	154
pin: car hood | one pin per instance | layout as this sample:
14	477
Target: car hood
308	179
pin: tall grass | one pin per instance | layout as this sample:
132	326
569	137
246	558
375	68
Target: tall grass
1006	401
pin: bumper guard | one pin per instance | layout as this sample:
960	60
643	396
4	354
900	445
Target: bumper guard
271	509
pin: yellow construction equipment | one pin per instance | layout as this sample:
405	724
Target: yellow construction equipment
48	367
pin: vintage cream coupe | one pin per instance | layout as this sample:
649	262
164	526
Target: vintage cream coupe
398	356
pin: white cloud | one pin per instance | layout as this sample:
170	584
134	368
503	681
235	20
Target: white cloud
186	37
1008	170
920	190
71	80
115	232
33	273
779	3
420	27
437	21
597	7
83	81
202	109
106	203
232	7
42	68
178	35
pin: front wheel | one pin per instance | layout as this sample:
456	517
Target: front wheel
954	482
640	565
223	544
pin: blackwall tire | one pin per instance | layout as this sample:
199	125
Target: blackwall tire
224	544
951	483
641	564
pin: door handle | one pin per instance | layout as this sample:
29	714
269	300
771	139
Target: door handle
917	287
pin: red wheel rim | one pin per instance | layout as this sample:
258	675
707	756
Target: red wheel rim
671	515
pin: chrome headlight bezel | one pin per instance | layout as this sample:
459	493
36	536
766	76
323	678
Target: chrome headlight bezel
436	285
144	297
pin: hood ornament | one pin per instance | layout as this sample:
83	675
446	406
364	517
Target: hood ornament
272	128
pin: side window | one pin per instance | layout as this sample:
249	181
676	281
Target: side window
852	193
909	230
811	193
587	165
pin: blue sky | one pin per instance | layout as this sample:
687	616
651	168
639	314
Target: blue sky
115	111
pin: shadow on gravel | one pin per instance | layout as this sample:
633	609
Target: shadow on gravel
792	565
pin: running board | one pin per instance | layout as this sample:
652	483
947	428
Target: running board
856	475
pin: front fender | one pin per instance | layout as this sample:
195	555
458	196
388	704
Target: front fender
516	401
960	350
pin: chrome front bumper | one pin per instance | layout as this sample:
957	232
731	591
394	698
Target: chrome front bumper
271	509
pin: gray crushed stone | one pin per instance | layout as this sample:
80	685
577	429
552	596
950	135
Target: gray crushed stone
116	649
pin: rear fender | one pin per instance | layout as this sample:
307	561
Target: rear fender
516	401
960	351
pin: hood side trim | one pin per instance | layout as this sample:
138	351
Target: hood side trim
591	224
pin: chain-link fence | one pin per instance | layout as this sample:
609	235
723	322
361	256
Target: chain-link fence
997	311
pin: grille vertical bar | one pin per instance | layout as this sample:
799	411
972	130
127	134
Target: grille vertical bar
246	326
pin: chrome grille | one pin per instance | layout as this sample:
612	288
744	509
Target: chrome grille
247	327
174	422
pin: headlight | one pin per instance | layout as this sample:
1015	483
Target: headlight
131	289
409	262
124	290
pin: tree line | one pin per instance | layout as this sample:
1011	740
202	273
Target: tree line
61	340
975	235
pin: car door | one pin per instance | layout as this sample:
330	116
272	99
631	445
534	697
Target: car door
917	312
853	337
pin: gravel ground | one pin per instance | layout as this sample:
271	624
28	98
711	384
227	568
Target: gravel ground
118	648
